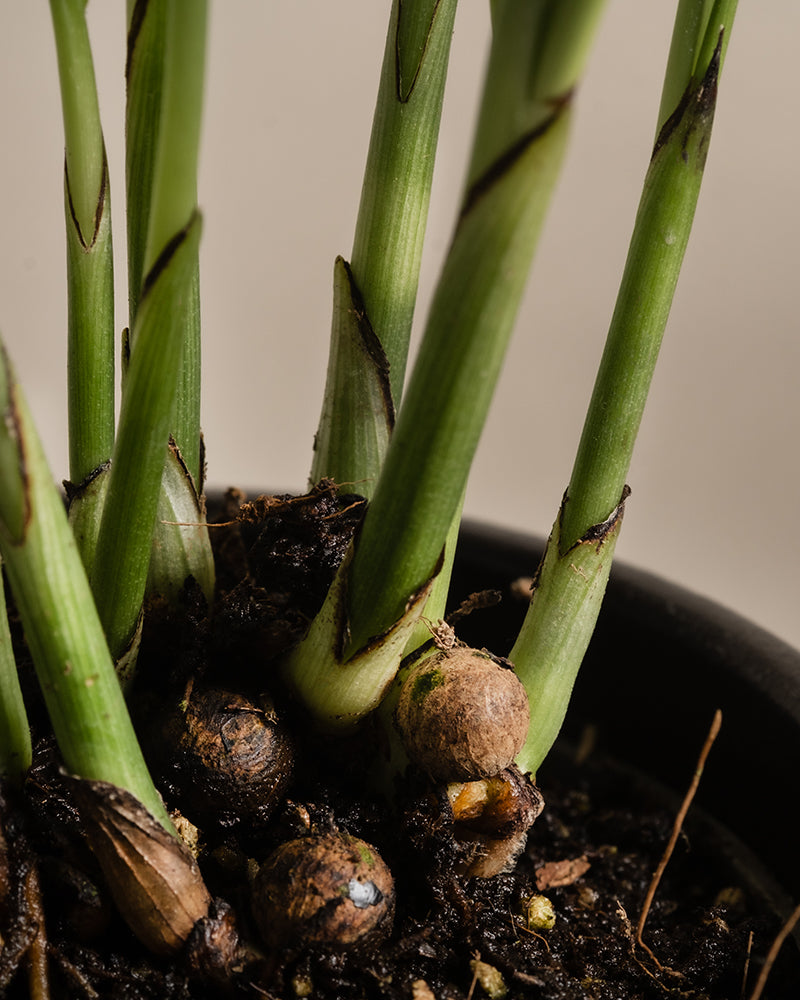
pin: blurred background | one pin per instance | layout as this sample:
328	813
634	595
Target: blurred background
290	92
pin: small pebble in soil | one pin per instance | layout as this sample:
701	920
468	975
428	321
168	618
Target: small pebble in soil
539	913
489	978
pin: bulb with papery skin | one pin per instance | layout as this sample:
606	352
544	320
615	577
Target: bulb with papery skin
228	756
462	715
324	889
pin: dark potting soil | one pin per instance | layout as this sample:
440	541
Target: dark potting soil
591	853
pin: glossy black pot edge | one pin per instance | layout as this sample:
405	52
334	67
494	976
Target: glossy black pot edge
661	661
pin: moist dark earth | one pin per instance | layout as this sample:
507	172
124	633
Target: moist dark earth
591	853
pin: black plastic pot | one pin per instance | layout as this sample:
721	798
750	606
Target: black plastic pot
661	661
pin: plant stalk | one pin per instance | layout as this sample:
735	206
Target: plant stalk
15	734
400	548
374	300
520	141
90	277
81	691
160	399
660	236
174	197
571	580
129	514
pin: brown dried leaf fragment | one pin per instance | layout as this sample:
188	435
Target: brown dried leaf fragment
553	874
155	881
477	601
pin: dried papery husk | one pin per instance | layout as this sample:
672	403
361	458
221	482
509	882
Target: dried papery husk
491	820
324	889
229	757
462	715
152	876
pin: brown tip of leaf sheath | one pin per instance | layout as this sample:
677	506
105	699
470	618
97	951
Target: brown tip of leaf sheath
371	344
155	881
505	162
696	106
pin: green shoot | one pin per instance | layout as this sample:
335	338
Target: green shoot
374	296
173	197
572	579
81	690
90	279
144	77
510	182
658	244
512	175
15	734
129	514
163	340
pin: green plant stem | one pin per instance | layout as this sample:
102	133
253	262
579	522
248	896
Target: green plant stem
691	19
661	234
166	60
436	603
129	513
90	278
374	308
568	592
401	545
520	141
358	411
539	50
390	228
538	54
15	734
174	198
144	78
160	398
694	38
574	572
76	674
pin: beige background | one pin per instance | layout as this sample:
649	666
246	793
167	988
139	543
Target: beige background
291	86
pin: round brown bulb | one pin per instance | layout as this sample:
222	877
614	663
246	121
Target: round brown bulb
327	889
232	757
462	715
